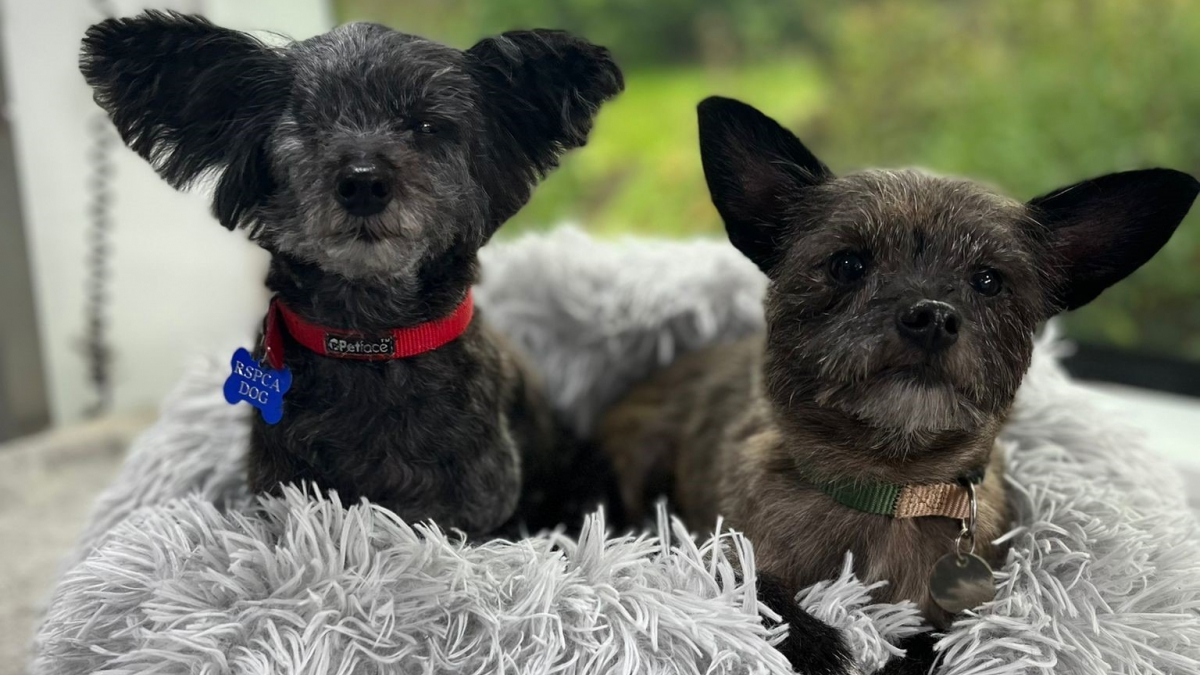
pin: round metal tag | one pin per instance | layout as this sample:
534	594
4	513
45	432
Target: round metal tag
961	582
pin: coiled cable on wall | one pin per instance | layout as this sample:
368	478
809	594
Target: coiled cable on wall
97	351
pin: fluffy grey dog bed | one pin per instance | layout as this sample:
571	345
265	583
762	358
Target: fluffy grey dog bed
181	571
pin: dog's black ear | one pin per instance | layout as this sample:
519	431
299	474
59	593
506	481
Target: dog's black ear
191	98
1101	230
756	171
541	91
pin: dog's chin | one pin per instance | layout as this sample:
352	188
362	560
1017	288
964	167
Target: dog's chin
907	403
365	258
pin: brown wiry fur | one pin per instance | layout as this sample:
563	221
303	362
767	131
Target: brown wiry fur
833	392
706	423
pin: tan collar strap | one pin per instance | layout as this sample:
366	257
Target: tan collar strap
943	499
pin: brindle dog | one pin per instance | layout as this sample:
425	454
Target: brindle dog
900	318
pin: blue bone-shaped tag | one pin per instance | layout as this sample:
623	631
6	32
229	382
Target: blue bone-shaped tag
257	385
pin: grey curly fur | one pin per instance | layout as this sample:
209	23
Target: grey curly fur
456	139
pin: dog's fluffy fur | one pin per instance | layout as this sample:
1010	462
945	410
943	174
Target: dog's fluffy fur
833	390
464	136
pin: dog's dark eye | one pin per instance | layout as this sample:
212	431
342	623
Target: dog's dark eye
987	282
427	127
847	267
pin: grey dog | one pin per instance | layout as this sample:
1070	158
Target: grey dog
373	165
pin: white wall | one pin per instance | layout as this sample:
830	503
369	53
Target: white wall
181	284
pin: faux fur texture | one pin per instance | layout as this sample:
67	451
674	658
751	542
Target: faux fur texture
181	571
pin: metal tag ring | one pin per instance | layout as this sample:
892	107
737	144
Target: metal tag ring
969	524
964	534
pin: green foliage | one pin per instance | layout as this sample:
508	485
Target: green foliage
639	33
1029	95
641	170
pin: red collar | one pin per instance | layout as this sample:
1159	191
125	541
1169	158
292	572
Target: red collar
397	343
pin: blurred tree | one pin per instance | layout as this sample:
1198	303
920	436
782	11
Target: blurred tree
639	33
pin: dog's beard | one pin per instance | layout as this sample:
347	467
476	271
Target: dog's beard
387	244
890	387
390	244
905	406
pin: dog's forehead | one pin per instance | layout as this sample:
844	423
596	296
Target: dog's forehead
894	204
370	51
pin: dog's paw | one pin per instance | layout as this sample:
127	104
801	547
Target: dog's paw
812	646
919	657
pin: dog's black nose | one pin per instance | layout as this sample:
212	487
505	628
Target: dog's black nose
929	324
364	188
